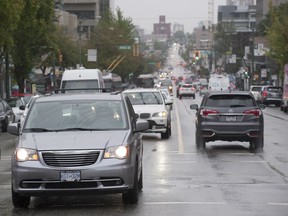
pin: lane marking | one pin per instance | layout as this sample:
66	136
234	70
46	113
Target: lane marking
185	203
278	204
180	139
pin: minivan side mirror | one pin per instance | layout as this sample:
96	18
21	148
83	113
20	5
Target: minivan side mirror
194	106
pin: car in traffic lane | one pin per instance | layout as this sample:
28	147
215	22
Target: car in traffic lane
229	116
187	90
72	144
149	104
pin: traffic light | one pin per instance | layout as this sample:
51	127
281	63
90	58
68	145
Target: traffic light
197	55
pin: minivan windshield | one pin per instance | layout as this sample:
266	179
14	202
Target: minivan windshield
70	115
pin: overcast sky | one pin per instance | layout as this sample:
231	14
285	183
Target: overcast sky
187	12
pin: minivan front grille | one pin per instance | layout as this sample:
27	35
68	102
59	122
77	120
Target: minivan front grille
70	158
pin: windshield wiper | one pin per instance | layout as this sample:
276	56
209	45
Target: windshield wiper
80	129
237	105
37	130
158	101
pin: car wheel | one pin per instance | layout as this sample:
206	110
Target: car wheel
200	143
131	197
20	201
5	123
193	96
140	182
180	97
257	144
165	135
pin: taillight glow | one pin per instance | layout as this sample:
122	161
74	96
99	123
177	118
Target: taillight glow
264	93
206	112
254	112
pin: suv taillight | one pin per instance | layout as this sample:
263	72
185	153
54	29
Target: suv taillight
206	112
255	112
264	93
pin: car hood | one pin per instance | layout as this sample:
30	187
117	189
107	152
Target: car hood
75	140
149	108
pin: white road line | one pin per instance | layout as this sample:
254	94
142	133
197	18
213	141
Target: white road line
185	203
5	158
278	204
180	140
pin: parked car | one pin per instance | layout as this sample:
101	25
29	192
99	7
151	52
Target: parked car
271	95
6	115
256	91
16	103
229	116
150	105
187	90
72	144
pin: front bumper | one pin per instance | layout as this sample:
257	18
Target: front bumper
33	178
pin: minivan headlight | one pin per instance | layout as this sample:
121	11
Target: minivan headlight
160	114
23	154
120	152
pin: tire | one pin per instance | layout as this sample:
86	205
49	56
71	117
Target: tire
140	181
131	197
166	134
257	144
180	97
20	201
200	143
4	125
193	96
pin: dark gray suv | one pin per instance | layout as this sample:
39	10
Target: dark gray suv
229	116
72	144
271	95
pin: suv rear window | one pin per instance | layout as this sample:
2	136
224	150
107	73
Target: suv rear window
230	101
187	86
274	89
256	88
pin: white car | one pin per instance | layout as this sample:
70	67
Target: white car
149	104
187	90
255	90
167	97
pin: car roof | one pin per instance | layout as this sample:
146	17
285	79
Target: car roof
141	90
81	96
211	93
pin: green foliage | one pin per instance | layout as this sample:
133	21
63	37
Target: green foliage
112	31
9	17
277	33
32	37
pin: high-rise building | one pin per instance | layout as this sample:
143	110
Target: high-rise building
88	12
162	27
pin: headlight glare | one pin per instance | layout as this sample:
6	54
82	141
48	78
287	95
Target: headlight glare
119	152
160	114
23	154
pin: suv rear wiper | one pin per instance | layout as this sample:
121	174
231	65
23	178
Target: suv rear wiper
237	105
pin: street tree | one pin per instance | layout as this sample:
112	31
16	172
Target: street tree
277	34
32	38
114	36
9	18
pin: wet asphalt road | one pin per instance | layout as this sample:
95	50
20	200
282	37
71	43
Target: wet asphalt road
225	180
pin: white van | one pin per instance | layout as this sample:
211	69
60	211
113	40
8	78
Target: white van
82	78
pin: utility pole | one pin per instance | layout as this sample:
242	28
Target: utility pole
252	56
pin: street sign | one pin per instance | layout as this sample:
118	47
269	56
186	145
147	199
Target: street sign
92	55
124	47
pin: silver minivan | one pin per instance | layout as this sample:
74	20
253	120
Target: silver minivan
72	144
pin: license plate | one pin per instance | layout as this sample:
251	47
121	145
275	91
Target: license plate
70	176
230	118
